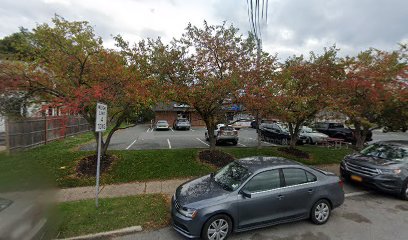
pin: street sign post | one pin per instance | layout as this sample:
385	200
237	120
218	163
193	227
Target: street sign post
100	126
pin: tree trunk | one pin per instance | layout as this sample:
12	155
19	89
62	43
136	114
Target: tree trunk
360	138
209	123
293	135
258	133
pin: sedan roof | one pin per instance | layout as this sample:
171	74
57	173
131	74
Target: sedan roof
259	162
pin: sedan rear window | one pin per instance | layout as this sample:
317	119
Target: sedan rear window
294	176
227	128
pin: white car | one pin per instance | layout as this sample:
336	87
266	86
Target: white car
312	136
162	125
224	134
242	123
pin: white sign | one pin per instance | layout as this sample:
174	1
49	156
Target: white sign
101	116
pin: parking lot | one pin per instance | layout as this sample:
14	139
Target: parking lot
143	137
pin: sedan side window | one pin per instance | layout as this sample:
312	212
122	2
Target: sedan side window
294	176
264	181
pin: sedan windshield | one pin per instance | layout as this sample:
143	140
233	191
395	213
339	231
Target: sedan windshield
391	152
232	176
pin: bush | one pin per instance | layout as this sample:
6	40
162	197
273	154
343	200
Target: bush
216	157
87	165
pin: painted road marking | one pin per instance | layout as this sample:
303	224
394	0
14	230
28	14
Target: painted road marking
356	194
168	141
241	144
148	130
202	141
172	129
131	144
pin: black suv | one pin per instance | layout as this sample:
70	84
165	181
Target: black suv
382	165
338	130
274	132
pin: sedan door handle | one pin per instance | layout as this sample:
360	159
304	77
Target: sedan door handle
280	197
310	191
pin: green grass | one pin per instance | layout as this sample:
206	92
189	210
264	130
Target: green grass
81	217
55	163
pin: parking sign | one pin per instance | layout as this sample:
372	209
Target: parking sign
101	116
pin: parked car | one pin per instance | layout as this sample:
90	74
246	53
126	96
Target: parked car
382	165
182	123
254	192
338	130
274	132
312	136
254	123
224	133
162	125
242	123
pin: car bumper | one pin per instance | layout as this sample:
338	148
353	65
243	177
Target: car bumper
386	183
189	228
227	139
162	128
182	127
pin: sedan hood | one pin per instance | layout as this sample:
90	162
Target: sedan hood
195	192
370	160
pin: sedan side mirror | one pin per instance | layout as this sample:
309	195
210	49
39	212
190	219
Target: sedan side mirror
246	194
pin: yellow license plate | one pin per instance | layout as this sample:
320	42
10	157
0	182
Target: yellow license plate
356	178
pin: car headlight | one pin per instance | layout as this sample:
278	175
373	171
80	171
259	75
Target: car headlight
390	171
188	212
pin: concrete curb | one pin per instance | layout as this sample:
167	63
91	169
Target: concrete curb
101	235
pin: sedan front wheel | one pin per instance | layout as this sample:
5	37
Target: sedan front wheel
217	228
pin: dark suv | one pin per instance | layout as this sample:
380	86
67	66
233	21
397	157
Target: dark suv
382	165
338	130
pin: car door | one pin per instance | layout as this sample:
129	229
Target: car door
264	204
299	192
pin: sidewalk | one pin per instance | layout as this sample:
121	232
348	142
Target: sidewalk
136	188
120	190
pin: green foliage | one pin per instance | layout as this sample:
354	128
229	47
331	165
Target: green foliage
81	217
16	46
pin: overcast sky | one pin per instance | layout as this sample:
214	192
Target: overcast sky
293	27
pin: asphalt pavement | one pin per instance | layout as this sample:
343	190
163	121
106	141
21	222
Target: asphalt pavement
143	137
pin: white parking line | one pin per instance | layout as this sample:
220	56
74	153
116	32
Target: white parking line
148	130
131	144
192	129
356	194
168	141
151	130
241	144
202	141
172	129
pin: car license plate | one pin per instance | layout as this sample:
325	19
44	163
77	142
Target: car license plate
356	178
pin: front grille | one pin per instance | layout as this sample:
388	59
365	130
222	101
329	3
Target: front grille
363	170
176	205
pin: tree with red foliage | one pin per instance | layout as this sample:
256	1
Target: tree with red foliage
302	88
72	69
371	80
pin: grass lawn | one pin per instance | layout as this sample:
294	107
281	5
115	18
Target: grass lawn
55	163
81	217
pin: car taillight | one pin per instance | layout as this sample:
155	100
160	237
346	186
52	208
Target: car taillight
341	183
